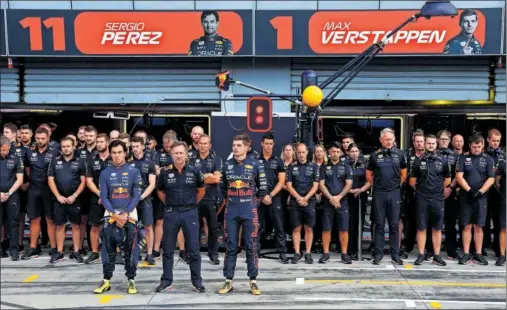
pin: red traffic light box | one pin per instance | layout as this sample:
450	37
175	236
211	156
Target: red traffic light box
259	114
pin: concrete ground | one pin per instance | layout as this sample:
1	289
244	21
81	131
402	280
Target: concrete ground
39	284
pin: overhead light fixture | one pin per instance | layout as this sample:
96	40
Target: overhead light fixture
434	8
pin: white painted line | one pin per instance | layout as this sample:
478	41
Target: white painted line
300	281
402	269
493	303
410	303
455	270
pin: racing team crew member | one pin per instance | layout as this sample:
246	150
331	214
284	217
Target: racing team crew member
429	175
180	186
387	171
302	183
120	192
149	178
408	213
96	164
210	166
11	178
162	159
52	144
335	183
40	200
275	177
501	185
67	180
451	196
494	206
474	173
243	182
358	197
211	44
10	132
149	154
89	149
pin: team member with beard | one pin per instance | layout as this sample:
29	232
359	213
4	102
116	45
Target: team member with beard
96	165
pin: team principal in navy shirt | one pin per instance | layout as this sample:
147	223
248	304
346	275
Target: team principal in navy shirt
387	171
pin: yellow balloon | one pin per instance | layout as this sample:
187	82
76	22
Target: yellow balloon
312	96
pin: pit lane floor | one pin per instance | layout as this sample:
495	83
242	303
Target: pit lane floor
39	284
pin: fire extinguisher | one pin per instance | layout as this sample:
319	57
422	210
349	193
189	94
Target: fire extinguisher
10	64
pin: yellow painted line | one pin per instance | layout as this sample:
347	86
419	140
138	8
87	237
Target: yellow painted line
417	283
145	264
408	266
435	305
31	278
105	299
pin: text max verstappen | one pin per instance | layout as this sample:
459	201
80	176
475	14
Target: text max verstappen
129	34
340	33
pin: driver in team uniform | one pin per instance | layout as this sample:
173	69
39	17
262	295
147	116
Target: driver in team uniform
211	44
465	43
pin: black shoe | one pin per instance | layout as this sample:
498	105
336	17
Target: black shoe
346	259
199	289
156	255
5	245
354	256
283	258
308	258
30	253
296	258
39	250
437	260
93	258
397	261
403	254
78	258
163	286
83	252
52	252
480	260
371	248
420	260
465	259
377	260
57	257
14	255
324	258
3	254
214	260
428	256
500	261
149	259
72	255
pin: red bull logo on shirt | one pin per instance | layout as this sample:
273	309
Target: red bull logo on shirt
242	189
120	193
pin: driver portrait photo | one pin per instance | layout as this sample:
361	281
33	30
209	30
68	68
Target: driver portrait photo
465	43
211	43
